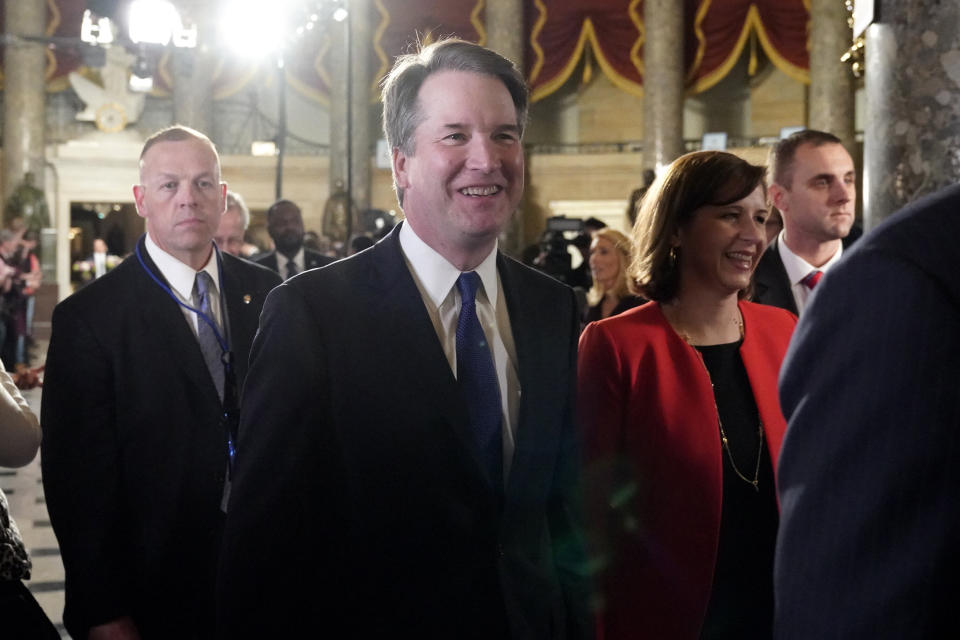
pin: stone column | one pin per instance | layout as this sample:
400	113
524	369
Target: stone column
662	82
831	82
351	94
193	69
337	67
912	132
361	105
24	97
504	24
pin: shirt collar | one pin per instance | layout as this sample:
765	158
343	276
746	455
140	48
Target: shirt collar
180	276
437	275
797	268
297	259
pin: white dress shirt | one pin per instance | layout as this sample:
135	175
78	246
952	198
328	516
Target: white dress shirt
181	277
436	279
798	269
282	261
99	264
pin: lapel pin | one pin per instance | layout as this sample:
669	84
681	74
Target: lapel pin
246	298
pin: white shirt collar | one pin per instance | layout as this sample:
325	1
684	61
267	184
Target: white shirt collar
282	261
437	275
180	276
798	268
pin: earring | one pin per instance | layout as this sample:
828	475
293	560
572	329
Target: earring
673	257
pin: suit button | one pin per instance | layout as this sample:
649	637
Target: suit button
499	550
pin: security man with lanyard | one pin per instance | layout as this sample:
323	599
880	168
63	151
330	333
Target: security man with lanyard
140	405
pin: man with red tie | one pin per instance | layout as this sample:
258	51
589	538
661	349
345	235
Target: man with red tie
813	184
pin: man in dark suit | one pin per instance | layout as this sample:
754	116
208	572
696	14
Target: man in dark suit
137	405
285	226
814	188
869	473
407	432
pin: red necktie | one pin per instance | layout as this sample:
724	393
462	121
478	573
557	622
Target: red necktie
812	278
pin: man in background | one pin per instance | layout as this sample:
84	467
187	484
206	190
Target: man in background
139	404
233	224
285	225
814	186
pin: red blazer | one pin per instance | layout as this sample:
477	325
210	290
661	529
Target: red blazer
653	462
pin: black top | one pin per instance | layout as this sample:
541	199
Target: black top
741	600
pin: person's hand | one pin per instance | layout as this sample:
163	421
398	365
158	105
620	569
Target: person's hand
119	629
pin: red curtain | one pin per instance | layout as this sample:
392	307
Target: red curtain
63	21
562	35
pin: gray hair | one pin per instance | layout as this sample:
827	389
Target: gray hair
235	201
401	87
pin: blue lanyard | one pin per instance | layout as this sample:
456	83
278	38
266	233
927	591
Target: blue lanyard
230	409
224	345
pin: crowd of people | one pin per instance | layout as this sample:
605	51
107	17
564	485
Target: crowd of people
20	277
429	437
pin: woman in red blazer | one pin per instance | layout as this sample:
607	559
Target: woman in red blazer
682	425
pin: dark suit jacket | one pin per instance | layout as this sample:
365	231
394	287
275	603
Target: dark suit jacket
356	464
134	450
771	285
870	466
311	260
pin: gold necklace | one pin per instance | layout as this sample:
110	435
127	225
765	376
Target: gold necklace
724	443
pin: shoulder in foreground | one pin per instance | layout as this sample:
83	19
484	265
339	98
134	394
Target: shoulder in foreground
767	313
647	313
105	290
317	259
930	223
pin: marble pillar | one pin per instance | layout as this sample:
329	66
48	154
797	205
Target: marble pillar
503	21
912	132
362	120
24	94
337	67
831	81
663	76
351	94
193	70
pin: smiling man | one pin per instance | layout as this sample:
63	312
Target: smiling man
814	186
138	394
407	422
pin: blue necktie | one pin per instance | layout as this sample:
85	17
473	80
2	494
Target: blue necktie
477	378
209	344
291	269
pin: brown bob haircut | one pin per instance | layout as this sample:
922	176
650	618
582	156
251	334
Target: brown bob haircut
691	181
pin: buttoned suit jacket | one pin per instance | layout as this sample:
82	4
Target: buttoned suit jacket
134	448
771	284
311	260
355	457
870	465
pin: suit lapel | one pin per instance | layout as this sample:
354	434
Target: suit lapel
164	321
400	300
535	395
242	317
772	282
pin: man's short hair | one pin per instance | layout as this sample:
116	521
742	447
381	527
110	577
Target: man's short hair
783	153
281	203
401	87
235	201
178	133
